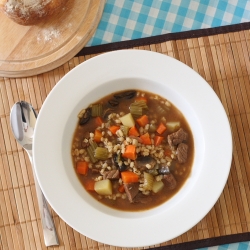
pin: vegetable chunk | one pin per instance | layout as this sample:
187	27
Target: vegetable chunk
82	167
113	129
146	139
161	128
173	125
157	186
130	152
143	120
128	120
103	187
129	177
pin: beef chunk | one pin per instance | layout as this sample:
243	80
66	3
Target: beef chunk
182	151
131	190
170	181
142	161
112	174
177	137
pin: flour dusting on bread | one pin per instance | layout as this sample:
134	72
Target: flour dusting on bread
29	12
26	7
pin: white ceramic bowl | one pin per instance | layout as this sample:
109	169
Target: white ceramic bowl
98	77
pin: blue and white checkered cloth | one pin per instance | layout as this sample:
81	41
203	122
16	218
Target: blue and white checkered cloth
132	19
124	20
234	246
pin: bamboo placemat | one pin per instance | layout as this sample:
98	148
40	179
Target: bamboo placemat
223	60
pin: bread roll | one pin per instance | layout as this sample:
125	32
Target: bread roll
30	12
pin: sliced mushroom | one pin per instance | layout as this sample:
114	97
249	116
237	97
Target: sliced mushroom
142	161
85	117
113	103
117	158
125	95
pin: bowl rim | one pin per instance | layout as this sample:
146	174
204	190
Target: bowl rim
135	64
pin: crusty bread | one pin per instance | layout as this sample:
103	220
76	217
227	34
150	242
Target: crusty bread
2	4
30	12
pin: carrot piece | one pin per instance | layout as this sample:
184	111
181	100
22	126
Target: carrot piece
113	129
89	185
141	98
97	135
143	120
121	189
161	128
157	140
133	131
98	121
82	167
128	177
146	139
130	152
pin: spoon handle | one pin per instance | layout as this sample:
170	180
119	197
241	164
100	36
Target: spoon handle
49	231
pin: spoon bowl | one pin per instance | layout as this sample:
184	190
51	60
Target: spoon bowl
23	119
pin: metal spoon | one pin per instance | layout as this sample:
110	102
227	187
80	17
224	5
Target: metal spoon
22	120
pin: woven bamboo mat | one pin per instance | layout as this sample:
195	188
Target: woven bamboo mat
223	60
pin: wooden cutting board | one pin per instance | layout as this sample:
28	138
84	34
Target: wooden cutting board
31	50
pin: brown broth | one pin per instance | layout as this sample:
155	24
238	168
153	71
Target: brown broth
180	171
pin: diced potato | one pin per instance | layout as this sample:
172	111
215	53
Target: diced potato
127	120
171	126
103	187
157	186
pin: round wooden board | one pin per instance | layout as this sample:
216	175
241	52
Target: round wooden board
31	50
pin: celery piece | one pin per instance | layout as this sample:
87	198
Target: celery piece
141	104
136	111
138	108
152	128
124	129
91	151
162	109
153	171
148	181
96	110
101	153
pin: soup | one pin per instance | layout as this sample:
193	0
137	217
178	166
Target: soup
132	150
